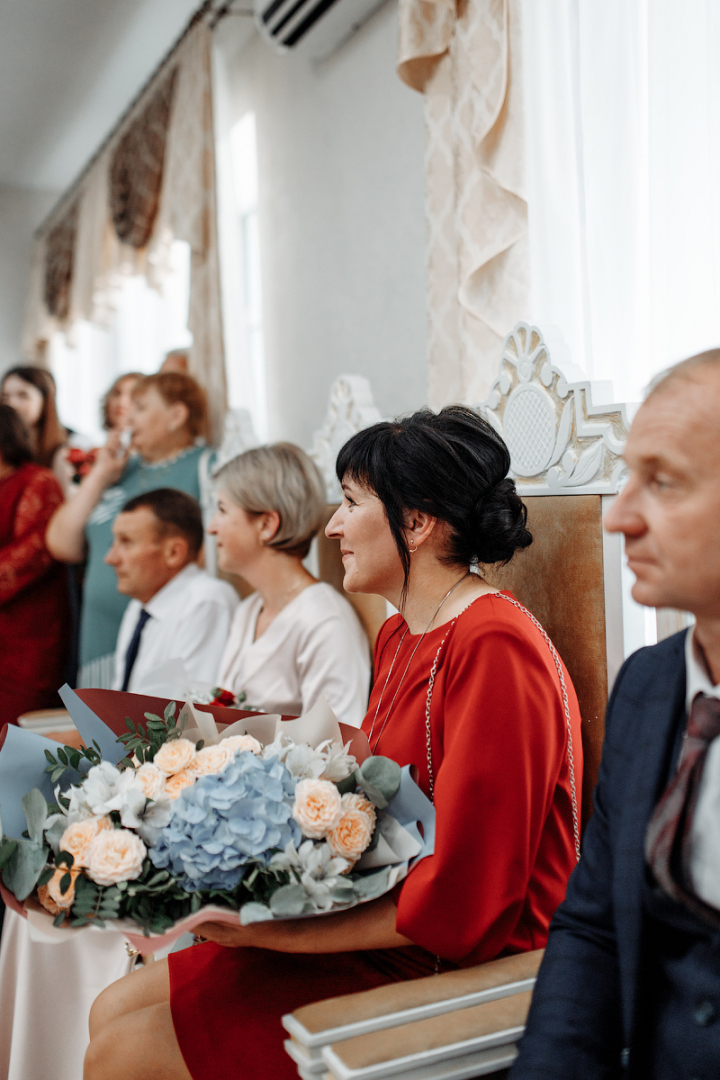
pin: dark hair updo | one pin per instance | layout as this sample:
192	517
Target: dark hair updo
452	465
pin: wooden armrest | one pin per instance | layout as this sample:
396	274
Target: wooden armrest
352	1015
425	1043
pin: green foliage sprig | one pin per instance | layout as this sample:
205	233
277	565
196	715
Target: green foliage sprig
69	757
145	743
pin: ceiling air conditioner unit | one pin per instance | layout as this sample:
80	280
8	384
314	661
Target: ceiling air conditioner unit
312	28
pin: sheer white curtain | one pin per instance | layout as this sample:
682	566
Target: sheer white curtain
623	144
145	324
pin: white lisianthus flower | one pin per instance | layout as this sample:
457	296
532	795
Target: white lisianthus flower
339	762
304	763
155	817
105	788
318	870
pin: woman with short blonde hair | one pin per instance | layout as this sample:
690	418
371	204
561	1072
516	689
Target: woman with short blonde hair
282	478
295	639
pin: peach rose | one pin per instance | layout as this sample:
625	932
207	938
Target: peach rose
78	837
354	831
317	807
177	783
115	855
238	743
359	802
151	780
173	757
50	895
211	760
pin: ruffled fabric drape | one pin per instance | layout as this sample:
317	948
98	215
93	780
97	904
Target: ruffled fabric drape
465	57
136	169
59	257
185	210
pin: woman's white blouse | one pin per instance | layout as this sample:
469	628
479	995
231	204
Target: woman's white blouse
315	646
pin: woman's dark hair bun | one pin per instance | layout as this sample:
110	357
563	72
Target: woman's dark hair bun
452	465
498	524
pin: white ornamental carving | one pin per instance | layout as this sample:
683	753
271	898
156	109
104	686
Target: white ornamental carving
559	442
350	409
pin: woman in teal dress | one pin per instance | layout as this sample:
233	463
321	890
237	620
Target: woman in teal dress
169	420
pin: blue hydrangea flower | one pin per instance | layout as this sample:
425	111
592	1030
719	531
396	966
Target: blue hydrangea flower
223	822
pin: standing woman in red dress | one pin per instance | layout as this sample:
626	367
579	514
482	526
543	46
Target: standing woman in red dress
34	615
426	500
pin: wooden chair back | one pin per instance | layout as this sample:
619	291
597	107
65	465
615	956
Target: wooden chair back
560	579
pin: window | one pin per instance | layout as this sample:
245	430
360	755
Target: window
145	325
241	272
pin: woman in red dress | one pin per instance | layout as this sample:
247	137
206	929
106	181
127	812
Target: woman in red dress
425	500
34	616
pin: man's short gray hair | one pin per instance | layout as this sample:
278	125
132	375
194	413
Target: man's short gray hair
279	477
709	358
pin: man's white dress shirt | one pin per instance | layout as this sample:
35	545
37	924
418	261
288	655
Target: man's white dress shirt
315	646
184	638
705	826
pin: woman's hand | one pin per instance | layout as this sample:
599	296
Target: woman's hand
367	926
110	461
65	536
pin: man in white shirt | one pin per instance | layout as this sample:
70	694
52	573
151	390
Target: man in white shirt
175	628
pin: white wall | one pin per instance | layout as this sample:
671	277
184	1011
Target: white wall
21	211
341	204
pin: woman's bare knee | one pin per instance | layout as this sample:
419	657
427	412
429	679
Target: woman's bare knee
146	986
137	1046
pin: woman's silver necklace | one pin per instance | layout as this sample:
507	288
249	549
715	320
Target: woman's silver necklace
407	666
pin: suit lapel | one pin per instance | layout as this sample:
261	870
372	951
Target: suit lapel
651	739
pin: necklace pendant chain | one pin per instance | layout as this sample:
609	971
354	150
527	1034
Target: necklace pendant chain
407	666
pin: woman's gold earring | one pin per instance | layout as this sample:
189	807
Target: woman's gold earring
413	550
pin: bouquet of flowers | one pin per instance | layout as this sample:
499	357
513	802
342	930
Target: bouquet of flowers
186	822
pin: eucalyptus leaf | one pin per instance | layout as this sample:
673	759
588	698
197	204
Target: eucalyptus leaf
252	913
379	777
289	900
347	785
35	809
372	885
7	848
24	867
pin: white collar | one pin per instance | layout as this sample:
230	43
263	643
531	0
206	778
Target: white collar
697	679
164	602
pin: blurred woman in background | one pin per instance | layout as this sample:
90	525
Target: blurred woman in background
116	406
30	391
168	419
33	586
295	639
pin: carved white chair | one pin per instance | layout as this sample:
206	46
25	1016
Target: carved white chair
566	460
350	409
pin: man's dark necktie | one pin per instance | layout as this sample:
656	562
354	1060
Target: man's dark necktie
667	842
133	647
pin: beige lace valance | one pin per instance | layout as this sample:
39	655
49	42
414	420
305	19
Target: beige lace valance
136	168
59	261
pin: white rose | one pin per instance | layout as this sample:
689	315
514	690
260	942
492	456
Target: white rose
211	760
239	743
151	780
175	756
115	855
317	807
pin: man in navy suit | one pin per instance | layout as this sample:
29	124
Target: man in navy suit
630	983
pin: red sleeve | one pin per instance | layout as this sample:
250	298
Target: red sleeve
26	558
500	740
